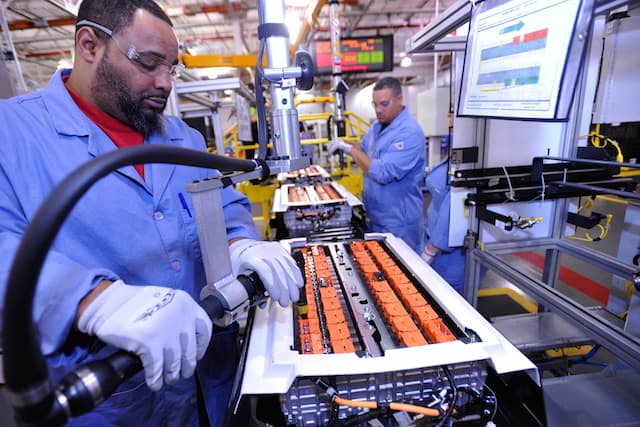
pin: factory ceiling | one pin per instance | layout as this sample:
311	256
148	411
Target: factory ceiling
41	31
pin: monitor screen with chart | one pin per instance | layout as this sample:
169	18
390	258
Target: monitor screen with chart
523	58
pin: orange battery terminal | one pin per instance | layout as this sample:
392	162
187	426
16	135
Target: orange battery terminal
414	301
379	286
412	339
333	317
393	309
338	331
402	324
438	332
387	297
342	346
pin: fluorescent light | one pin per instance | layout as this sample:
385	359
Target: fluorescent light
174	11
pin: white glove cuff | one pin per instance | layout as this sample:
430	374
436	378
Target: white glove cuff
236	249
239	246
427	252
105	304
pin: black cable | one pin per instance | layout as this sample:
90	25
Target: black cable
476	398
454	397
334	412
495	402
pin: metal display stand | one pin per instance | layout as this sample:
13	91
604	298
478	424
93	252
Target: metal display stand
604	397
594	325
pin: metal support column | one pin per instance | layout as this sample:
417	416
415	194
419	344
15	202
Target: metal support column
285	133
336	53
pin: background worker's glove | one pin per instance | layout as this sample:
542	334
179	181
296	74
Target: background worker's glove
165	327
338	144
278	271
428	255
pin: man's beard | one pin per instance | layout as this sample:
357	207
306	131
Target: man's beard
108	85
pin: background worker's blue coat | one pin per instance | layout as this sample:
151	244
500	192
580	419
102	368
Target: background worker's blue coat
450	261
392	194
437	224
123	227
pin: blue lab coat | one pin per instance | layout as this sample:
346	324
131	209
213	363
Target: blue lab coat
450	262
122	228
392	194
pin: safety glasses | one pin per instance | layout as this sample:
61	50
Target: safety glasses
149	62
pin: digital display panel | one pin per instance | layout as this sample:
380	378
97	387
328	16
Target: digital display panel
358	55
523	58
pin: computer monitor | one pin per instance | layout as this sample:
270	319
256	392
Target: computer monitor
358	55
523	58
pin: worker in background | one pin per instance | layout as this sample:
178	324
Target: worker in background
131	243
447	261
392	157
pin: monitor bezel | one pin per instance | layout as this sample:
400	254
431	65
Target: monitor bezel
565	89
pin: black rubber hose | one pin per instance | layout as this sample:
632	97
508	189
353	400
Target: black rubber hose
25	368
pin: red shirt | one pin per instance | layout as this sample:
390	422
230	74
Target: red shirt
121	134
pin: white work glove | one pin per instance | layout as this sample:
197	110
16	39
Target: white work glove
428	256
278	271
165	327
338	144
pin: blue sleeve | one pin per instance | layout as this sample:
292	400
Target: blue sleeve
237	214
62	283
402	155
438	223
366	140
439	207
